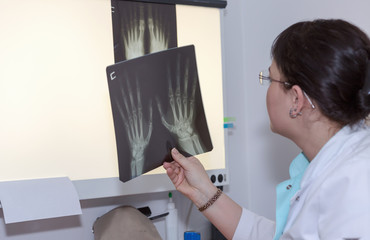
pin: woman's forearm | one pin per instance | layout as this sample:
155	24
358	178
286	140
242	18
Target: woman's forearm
224	214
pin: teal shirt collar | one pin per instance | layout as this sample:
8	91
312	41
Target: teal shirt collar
286	190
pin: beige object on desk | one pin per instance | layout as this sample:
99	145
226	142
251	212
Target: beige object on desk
124	223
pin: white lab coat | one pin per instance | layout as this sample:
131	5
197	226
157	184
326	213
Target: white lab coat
334	199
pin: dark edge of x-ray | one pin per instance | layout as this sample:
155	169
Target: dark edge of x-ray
157	105
142	28
203	3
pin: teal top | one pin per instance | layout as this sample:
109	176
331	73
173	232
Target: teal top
286	190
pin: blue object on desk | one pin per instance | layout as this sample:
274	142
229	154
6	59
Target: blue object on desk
191	235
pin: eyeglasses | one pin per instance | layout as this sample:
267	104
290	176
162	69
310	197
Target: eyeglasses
265	79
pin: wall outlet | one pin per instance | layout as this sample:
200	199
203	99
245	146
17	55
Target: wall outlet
219	177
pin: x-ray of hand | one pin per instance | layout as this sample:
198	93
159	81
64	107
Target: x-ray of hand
133	34
138	129
157	32
181	111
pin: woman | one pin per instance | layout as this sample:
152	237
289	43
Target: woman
319	97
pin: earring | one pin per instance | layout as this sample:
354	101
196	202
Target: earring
294	115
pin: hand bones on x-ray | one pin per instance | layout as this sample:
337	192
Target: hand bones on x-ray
158	36
182	110
133	34
138	129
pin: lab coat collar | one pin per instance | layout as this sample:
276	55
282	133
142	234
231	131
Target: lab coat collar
331	151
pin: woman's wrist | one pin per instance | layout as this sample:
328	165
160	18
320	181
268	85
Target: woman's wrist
201	197
211	201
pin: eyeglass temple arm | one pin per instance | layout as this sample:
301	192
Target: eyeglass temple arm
309	100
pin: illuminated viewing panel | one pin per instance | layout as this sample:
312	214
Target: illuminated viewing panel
56	116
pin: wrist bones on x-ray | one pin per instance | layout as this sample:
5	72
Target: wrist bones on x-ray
136	127
182	110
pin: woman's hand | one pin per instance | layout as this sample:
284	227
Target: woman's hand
190	178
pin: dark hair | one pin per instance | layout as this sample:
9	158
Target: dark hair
329	60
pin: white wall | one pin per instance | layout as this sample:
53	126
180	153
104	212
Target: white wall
259	159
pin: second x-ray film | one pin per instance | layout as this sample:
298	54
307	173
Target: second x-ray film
157	105
140	28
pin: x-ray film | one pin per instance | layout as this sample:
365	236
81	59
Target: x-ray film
141	28
157	105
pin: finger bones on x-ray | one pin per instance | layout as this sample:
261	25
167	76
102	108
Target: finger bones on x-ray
133	32
136	126
182	109
133	35
157	32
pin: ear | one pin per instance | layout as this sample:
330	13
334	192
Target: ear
297	99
